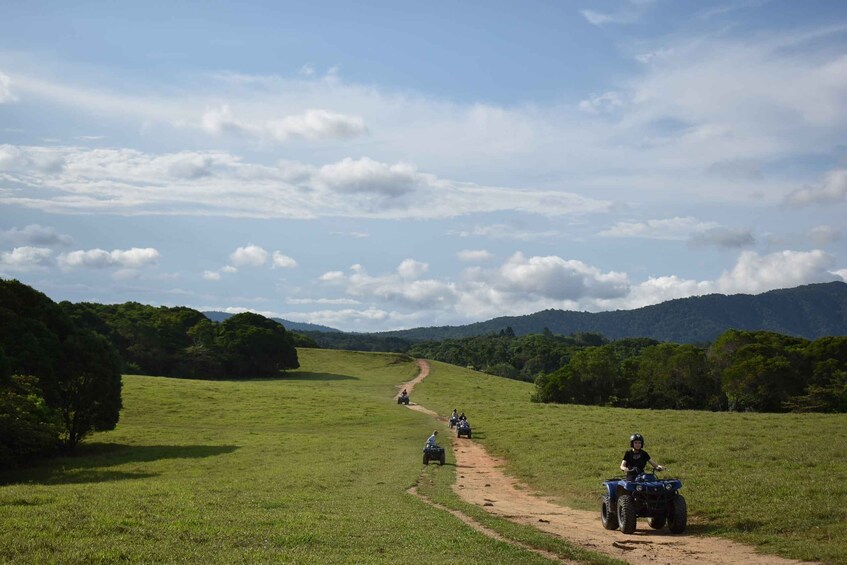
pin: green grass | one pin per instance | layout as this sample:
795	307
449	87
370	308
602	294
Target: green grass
313	467
778	481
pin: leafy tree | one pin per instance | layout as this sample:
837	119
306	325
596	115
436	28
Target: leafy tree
255	346
89	387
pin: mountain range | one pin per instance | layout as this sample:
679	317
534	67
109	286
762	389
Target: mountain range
809	311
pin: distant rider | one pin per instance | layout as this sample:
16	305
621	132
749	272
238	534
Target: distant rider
636	459
462	417
431	440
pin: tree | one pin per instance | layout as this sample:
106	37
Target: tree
89	387
28	427
255	346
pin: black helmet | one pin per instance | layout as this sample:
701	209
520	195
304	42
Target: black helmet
636	437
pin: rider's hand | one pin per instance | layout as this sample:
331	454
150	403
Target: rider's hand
659	468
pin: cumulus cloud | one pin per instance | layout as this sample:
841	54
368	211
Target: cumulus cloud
6	89
35	235
411	269
753	273
474	255
833	189
283	261
560	279
311	125
249	256
99	259
211	275
506	231
26	258
731	238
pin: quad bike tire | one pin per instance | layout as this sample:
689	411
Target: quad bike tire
443	458
607	515
678	517
626	513
426	459
657	522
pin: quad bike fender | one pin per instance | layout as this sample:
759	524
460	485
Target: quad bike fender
612	491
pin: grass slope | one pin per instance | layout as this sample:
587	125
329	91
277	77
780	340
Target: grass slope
778	481
312	467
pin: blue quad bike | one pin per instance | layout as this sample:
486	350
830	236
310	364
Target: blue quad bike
403	399
433	453
463	428
646	496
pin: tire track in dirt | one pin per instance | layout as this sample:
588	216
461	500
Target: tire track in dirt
481	481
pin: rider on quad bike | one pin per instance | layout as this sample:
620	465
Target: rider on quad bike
636	459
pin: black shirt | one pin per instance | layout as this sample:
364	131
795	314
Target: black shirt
636	459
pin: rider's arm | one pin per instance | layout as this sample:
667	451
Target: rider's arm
624	466
655	465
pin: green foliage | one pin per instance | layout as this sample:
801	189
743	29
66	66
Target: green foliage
255	346
89	385
28	427
66	381
182	342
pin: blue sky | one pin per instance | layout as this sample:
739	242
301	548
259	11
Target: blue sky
381	165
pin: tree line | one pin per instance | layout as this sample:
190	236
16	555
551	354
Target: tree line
61	364
740	371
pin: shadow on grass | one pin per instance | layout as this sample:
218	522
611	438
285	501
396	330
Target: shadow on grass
304	376
86	464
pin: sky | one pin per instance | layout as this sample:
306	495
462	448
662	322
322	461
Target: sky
384	165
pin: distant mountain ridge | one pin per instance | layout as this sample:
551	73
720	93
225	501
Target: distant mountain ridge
809	311
289	325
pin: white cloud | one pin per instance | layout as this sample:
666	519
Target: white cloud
35	235
474	255
283	261
26	258
410	269
784	269
100	259
311	125
125	181
249	256
6	89
338	301
671	229
833	189
332	277
211	275
560	279
842	273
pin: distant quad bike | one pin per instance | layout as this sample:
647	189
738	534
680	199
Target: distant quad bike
403	399
463	428
453	421
647	496
431	453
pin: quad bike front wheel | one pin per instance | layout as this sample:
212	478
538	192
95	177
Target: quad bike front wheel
607	514
678	517
626	513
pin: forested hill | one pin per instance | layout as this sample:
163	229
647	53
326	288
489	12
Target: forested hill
291	326
809	311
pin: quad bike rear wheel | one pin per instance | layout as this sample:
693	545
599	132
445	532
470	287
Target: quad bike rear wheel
626	513
607	514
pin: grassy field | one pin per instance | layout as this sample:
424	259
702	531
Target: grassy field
778	481
310	468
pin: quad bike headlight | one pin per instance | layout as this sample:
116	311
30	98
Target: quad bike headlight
639	488
668	486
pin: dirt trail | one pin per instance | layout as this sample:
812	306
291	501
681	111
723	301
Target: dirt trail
481	481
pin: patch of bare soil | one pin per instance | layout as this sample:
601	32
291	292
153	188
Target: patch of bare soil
481	481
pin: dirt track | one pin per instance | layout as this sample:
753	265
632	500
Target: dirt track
481	481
